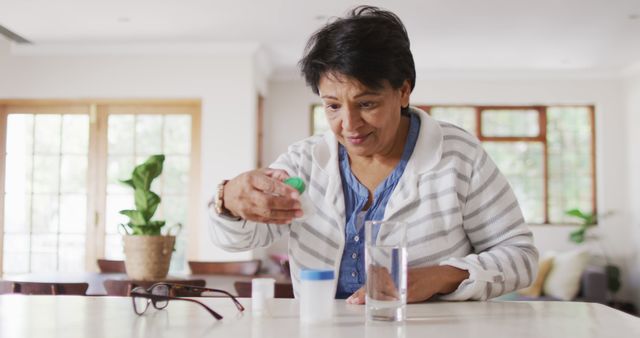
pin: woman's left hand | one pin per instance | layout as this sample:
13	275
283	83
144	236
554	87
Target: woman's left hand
424	283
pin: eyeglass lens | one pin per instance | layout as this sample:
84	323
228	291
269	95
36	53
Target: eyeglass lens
160	290
140	304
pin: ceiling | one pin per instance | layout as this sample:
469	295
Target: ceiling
593	35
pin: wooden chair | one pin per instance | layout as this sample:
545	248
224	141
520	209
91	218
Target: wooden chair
111	266
282	290
241	268
123	287
37	288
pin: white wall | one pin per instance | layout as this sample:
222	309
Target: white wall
222	77
289	101
633	139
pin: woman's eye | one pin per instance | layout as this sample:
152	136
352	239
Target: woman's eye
367	104
332	107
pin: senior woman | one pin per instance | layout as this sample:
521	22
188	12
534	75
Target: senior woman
382	160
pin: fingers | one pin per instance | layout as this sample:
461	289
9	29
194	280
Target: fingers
255	196
272	186
278	174
380	283
357	297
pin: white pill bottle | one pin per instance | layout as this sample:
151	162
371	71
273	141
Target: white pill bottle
316	296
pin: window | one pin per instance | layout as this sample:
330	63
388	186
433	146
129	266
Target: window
63	164
546	152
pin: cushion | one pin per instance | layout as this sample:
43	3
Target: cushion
544	267
563	281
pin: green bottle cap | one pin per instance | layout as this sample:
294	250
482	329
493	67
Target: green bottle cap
296	183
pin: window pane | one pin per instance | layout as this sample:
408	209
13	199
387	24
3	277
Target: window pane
47	134
15	263
510	123
113	219
523	165
113	247
175	210
73	176
569	151
71	254
20	134
44	248
17	208
119	168
73	217
18	171
46	173
75	134
177	134
319	120
15	258
121	132
463	117
175	175
148	134
45	213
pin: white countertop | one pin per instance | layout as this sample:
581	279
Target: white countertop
77	316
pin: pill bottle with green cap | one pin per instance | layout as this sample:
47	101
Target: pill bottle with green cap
305	202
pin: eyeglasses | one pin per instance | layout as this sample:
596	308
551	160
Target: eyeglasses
160	294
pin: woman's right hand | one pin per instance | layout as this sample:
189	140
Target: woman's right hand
261	196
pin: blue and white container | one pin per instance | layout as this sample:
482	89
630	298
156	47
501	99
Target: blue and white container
316	296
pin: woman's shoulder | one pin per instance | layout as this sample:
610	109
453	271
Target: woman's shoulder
306	145
454	136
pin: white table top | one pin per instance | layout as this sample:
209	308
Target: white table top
77	316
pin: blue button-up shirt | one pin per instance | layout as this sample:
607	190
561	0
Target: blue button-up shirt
352	272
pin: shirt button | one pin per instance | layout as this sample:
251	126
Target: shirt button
356	238
353	274
354	255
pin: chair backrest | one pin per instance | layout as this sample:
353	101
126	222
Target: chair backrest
282	290
37	288
123	287
242	268
107	265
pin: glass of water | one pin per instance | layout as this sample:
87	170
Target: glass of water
386	267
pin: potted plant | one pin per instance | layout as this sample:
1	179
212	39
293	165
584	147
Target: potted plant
147	251
578	236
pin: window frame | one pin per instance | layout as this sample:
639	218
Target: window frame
98	112
542	138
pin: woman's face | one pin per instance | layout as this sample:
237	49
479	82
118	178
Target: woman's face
365	121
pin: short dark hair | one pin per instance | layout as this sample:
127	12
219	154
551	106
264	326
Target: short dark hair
370	45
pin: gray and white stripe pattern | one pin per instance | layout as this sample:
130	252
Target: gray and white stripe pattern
462	213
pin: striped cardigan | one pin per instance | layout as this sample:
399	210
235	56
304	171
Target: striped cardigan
459	208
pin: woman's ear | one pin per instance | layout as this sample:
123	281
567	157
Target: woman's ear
405	92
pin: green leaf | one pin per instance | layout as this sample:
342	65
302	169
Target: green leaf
577	236
146	202
146	172
128	182
577	213
136	218
157	224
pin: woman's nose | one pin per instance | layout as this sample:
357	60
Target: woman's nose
351	119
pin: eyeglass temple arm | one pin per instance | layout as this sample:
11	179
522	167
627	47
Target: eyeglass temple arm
201	289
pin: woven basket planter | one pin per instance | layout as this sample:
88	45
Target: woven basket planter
148	257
